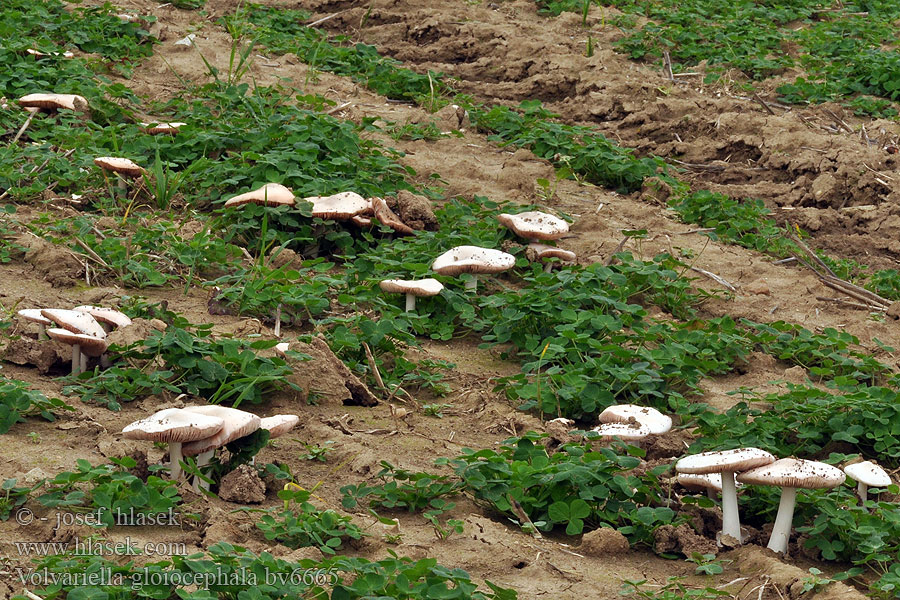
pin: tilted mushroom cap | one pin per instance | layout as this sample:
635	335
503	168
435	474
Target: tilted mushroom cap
545	251
34	315
388	217
279	425
90	345
119	165
39	54
173	425
237	424
271	194
421	287
868	473
156	128
651	418
339	207
794	473
361	221
472	259
54	101
535	225
75	321
624	431
739	459
697	482
106	315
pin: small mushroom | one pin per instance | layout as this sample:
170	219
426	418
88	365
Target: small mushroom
543	251
55	102
535	225
107	317
121	167
83	345
388	217
174	426
474	260
278	425
726	462
161	128
34	315
867	474
790	474
708	482
412	289
651	418
271	194
80	323
339	207
627	432
39	54
238	423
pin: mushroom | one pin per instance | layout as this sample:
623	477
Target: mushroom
726	462
339	207
867	474
535	225
790	474
651	418
174	426
474	260
55	102
278	425
107	317
271	194
34	315
238	423
412	289
39	54
542	251
121	167
388	217
83	345
627	432
76	322
708	482
158	128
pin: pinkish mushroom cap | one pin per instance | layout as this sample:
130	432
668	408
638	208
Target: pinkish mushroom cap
542	251
89	344
75	321
158	128
388	217
420	287
122	166
278	425
361	221
39	54
106	315
238	423
271	194
54	101
34	315
339	207
535	225
174	425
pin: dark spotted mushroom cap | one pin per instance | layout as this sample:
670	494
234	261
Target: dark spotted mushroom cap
654	420
535	225
794	473
472	259
738	459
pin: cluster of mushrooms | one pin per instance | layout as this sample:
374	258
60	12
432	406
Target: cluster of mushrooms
84	328
717	470
201	430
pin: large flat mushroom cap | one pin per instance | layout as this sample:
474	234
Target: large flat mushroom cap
75	321
738	459
278	425
271	194
651	418
90	345
420	287
472	259
339	207
535	225
173	425
119	165
106	315
34	315
54	101
238	423
868	473
794	473
625	431
388	217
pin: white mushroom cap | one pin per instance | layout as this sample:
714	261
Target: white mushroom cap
281	348
724	461
472	259
106	315
278	425
868	473
651	418
545	251
271	194
34	315
39	54
238	423
624	431
388	217
90	345
155	128
339	207
173	425
421	287
75	321
119	165
794	473
54	101
535	225
707	481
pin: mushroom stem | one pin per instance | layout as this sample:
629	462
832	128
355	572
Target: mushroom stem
76	359
472	284
410	303
548	266
42	332
863	491
82	362
731	520
175	457
781	532
278	321
104	361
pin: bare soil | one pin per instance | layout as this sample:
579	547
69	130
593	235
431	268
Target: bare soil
829	182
